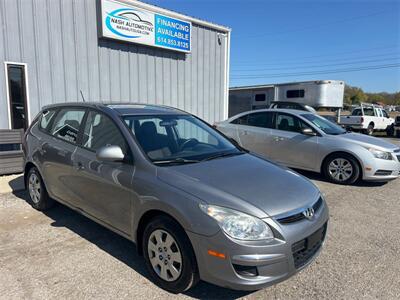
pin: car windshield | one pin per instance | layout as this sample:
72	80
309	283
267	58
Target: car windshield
323	124
178	139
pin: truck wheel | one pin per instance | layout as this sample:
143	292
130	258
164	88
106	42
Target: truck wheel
341	168
37	191
390	131
169	255
370	130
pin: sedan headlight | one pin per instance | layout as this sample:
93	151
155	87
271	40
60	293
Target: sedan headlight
238	225
380	154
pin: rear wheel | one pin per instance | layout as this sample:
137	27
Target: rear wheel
37	191
370	129
341	168
169	255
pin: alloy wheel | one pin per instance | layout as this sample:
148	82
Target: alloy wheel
164	254
340	169
34	188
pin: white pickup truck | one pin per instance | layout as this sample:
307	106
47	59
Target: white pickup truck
369	118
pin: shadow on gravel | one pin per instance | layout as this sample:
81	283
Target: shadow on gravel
320	177
120	248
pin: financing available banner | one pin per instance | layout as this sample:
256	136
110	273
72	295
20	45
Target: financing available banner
126	22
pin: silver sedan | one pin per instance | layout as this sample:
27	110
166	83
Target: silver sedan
304	140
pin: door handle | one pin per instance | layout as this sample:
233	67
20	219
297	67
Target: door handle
278	138
79	166
244	132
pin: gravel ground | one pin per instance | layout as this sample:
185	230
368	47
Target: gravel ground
61	254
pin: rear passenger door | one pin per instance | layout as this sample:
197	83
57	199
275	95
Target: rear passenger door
254	132
104	188
57	150
290	146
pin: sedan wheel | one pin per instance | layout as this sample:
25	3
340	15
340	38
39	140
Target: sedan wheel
165	256
341	168
169	255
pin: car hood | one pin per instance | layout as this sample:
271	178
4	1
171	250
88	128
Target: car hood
368	141
244	182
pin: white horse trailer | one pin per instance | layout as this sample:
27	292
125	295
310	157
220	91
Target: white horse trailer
319	93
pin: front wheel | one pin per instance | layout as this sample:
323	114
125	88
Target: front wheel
169	255
341	169
390	131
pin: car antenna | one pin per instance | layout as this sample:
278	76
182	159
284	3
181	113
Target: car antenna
83	98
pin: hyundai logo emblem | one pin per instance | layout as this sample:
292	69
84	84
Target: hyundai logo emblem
309	213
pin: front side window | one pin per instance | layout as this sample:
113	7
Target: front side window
385	114
178	138
326	126
101	131
66	124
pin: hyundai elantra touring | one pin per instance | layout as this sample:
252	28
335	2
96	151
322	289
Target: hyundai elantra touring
196	204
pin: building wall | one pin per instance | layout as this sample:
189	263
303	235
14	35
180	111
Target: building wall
58	41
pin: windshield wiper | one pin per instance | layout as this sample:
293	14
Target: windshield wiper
175	161
223	154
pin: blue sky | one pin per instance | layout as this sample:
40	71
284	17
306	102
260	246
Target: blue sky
284	41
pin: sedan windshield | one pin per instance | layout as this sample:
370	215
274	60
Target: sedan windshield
323	124
178	139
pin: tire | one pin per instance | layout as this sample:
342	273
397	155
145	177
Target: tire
370	129
37	191
390	131
178	256
341	168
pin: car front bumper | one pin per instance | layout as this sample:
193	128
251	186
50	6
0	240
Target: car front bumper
255	265
382	170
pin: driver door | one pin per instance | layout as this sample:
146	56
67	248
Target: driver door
289	146
104	188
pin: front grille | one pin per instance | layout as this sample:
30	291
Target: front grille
383	173
299	216
304	250
398	157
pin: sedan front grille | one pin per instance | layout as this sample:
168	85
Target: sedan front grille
383	173
304	250
300	216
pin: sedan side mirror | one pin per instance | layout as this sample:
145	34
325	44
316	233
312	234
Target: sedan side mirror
110	153
308	131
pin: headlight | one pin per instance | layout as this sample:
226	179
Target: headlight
380	154
237	224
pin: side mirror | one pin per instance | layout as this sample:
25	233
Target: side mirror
110	153
308	131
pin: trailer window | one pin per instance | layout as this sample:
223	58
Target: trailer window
259	97
295	94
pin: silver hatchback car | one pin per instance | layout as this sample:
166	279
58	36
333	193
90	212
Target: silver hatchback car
197	205
304	140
